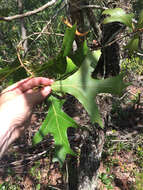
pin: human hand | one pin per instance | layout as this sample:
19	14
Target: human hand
17	101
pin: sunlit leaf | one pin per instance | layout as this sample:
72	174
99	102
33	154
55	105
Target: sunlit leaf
68	40
133	44
85	88
118	15
93	57
56	123
70	68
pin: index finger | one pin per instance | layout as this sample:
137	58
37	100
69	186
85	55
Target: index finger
34	82
28	83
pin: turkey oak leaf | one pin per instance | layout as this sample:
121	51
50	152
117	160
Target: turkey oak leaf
56	123
85	88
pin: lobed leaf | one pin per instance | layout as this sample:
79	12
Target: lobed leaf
85	88
61	65
56	123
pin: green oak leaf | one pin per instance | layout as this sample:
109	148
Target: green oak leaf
133	44
56	123
118	15
85	88
61	65
68	40
70	69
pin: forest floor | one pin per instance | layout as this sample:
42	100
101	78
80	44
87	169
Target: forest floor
121	168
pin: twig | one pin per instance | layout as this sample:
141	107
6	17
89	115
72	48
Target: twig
49	22
56	188
120	38
29	13
37	33
20	44
140	54
22	64
93	6
120	140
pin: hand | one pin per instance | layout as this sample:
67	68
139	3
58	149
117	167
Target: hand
16	103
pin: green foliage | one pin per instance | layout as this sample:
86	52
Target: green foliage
139	181
137	7
4	11
14	72
133	65
71	71
35	172
118	15
140	22
61	66
107	180
79	55
56	123
133	44
8	186
79	84
85	88
68	41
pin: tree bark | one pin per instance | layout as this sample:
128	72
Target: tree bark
83	171
90	156
108	64
22	27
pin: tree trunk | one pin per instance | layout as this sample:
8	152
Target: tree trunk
108	64
22	27
83	171
90	156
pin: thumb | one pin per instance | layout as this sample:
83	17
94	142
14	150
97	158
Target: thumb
35	97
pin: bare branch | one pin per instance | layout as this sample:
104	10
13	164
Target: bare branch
93	7
37	33
49	22
29	13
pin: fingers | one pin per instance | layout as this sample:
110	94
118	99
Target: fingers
35	97
15	85
29	83
34	82
27	89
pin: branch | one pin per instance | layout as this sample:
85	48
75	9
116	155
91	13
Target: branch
49	22
37	33
29	13
93	7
